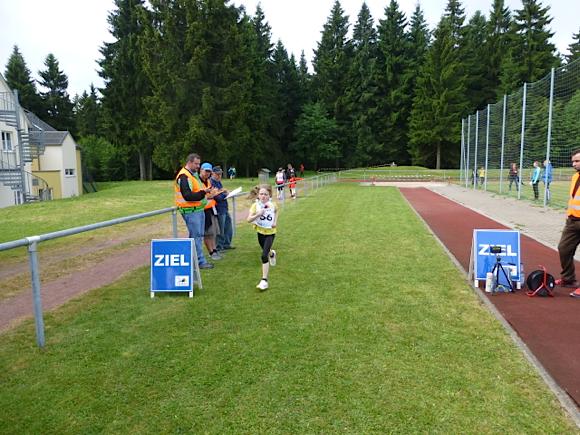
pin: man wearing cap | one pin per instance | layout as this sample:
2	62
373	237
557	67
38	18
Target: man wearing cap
224	237
211	220
191	199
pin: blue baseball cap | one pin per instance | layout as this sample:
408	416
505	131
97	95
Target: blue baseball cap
207	167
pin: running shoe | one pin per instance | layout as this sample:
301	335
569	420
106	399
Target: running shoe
272	258
262	285
563	283
576	293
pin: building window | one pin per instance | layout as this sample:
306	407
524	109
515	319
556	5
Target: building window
6	141
69	172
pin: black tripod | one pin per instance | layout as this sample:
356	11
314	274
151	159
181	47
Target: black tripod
497	268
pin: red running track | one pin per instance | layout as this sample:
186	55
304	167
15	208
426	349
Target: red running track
550	327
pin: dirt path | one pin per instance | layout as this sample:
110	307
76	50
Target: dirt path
57	292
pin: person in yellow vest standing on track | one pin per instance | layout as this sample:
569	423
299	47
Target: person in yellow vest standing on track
571	234
190	198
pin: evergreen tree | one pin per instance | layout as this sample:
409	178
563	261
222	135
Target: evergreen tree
287	97
87	115
305	79
536	52
480	89
126	85
316	137
497	44
574	48
331	65
58	109
395	106
455	17
419	38
362	95
439	103
18	78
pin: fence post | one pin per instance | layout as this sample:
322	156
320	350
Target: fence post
37	300
475	151
174	221
502	143
233	216
461	166
522	136
549	140
467	160
486	149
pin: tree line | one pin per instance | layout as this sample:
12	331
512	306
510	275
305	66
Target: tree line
205	76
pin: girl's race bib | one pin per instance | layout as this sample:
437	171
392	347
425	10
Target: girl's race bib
267	219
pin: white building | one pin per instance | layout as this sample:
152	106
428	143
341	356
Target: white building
36	161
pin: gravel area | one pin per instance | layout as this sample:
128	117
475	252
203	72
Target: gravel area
542	224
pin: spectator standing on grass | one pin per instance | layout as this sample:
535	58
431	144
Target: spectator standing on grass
481	174
232	172
211	220
191	198
547	177
535	179
571	233
301	170
514	176
224	237
263	215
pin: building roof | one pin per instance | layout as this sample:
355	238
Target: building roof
48	137
37	123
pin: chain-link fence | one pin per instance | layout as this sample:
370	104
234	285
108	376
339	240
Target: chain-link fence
521	146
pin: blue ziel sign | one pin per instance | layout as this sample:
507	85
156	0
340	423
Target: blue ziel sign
484	241
172	265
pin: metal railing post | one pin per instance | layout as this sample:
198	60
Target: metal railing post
233	216
549	140
475	174
462	158
486	149
522	136
467	159
502	143
37	300
174	221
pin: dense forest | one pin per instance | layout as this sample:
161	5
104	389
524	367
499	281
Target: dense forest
204	76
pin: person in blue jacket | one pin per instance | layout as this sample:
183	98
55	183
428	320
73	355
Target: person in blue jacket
547	177
535	179
224	237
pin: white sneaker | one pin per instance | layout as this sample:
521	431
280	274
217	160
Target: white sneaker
272	258
262	285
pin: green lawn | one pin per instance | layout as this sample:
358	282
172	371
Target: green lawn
367	327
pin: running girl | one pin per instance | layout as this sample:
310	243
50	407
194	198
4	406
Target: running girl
280	181
264	215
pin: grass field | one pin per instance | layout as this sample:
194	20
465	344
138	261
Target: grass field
367	328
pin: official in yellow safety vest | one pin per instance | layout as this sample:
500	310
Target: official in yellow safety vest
571	234
190	198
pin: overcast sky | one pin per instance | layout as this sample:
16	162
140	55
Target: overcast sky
74	30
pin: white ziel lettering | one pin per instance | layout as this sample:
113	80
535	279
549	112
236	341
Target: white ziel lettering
162	260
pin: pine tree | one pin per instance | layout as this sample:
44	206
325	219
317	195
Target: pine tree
480	89
497	44
87	108
316	136
126	85
536	52
305	79
439	102
331	65
419	38
18	78
362	95
574	48
58	109
395	106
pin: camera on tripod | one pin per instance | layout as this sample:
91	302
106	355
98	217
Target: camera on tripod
499	272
